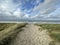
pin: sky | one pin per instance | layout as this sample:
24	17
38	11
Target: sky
29	9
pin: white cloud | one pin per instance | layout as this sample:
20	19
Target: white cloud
46	5
17	13
26	16
56	13
9	8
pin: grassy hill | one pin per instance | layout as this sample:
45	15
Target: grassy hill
8	31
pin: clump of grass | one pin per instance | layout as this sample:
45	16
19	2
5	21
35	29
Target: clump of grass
52	43
55	36
5	41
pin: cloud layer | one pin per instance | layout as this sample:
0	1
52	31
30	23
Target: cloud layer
29	9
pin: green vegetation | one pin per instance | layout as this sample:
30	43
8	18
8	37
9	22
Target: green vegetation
50	26
5	25
53	29
52	43
9	31
55	36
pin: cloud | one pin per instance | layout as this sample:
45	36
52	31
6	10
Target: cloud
46	8
7	9
18	13
55	14
29	9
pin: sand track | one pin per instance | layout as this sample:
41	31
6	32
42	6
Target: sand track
32	36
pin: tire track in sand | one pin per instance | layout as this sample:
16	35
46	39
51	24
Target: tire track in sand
32	36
